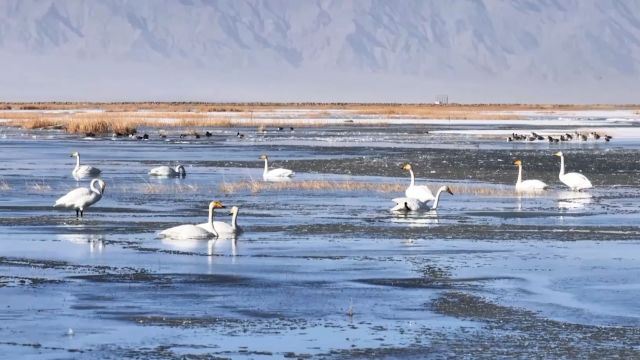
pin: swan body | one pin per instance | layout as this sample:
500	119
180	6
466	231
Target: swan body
407	204
412	204
82	198
527	185
575	181
81	171
223	228
167	171
420	192
193	232
274	174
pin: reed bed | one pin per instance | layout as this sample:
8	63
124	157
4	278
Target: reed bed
126	123
256	186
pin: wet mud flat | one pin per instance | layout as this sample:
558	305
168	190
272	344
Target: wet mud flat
320	273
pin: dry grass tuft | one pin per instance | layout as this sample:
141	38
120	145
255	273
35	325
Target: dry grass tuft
40	186
255	186
4	186
149	188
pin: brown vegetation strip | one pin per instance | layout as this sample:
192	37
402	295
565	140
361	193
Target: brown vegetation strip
256	186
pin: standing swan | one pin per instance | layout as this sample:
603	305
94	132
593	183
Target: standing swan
527	185
222	228
84	170
186	232
412	204
421	192
81	198
166	171
574	181
274	174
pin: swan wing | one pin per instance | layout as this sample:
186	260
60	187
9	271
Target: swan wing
279	173
186	232
162	171
421	193
86	170
406	204
531	185
72	197
576	181
220	227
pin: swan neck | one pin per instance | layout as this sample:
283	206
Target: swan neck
519	174
266	166
78	161
211	216
561	165
413	179
94	188
234	221
437	200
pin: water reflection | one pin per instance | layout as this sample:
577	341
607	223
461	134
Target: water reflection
96	242
574	199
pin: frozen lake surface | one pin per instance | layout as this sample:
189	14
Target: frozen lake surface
326	273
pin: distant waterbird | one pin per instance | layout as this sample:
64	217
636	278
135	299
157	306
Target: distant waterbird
527	185
406	204
82	171
420	192
82	198
575	181
274	174
194	232
166	171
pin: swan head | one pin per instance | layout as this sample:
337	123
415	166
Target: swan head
559	153
406	166
446	189
234	211
517	163
103	186
263	157
180	170
216	205
74	154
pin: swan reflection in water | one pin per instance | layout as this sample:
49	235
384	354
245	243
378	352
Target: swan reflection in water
574	199
96	242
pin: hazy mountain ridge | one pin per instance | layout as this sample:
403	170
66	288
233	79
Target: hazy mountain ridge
400	50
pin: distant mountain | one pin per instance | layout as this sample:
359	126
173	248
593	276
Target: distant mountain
288	50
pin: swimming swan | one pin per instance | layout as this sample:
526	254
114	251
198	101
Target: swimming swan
527	185
81	198
421	192
81	171
574	181
188	232
412	204
167	171
222	228
274	174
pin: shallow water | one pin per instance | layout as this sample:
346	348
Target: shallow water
324	273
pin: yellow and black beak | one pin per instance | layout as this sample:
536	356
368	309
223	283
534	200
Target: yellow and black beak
449	191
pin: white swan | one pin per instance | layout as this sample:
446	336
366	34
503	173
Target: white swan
574	181
222	228
412	204
274	174
189	232
81	198
81	171
421	192
167	171
527	185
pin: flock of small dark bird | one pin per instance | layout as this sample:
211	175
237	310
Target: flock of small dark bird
134	135
576	136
